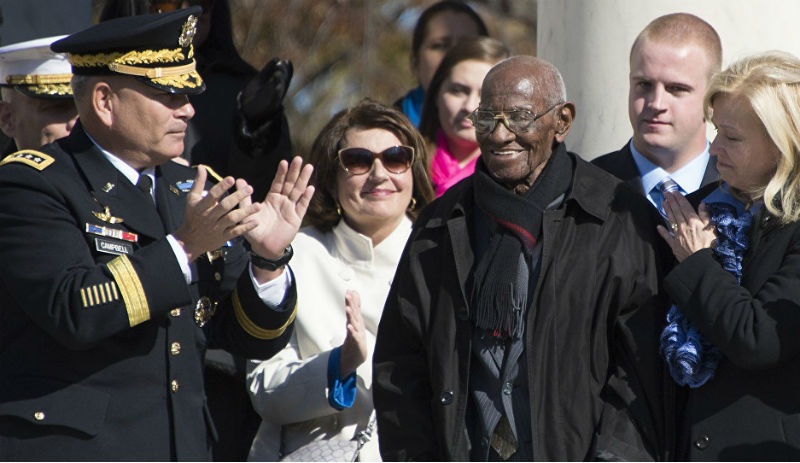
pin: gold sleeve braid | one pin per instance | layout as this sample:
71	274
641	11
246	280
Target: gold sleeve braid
254	330
130	286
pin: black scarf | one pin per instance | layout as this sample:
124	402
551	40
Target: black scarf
500	290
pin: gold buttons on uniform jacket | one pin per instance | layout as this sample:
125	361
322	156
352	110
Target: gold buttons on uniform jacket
38	416
174	386
175	348
176	312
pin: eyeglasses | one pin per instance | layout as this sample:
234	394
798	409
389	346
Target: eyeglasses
357	161
517	121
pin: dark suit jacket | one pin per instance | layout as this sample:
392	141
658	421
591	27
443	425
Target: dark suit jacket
621	165
666	398
749	410
100	351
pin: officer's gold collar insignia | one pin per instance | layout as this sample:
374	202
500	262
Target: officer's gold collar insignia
32	158
108	187
106	216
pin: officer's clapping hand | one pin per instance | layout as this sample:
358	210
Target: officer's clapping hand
212	219
279	217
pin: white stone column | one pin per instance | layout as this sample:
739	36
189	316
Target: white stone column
590	40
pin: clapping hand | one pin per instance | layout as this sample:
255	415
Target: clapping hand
354	349
213	218
277	219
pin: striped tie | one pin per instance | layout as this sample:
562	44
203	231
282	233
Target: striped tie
664	186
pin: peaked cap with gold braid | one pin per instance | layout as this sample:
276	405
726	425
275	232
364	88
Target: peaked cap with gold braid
155	49
33	69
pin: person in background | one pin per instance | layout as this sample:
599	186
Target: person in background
371	183
736	288
504	327
452	96
438	28
36	106
121	267
671	63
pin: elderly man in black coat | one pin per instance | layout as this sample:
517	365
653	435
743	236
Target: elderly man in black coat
505	335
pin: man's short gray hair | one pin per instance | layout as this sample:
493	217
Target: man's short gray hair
79	85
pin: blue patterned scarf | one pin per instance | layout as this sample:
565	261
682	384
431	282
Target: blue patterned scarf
692	360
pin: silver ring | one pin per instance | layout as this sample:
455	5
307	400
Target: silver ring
674	227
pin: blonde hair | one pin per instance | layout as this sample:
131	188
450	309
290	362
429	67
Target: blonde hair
770	82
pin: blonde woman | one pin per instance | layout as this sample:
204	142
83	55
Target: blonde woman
736	287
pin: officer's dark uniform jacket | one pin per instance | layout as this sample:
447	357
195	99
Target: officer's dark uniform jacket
101	353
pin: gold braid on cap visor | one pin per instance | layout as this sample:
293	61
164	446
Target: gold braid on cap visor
42	84
37	79
182	75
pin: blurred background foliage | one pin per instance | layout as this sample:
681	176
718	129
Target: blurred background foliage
344	50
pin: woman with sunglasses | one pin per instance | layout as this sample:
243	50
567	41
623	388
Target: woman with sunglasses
453	95
314	397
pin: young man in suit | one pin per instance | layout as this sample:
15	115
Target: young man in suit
671	62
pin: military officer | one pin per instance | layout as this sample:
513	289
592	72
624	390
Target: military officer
36	106
119	267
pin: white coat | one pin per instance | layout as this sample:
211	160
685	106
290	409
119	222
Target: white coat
290	391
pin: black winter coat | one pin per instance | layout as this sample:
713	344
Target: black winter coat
750	410
598	268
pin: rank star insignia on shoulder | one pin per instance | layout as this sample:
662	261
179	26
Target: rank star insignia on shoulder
32	158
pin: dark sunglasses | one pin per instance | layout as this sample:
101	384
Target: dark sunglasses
357	161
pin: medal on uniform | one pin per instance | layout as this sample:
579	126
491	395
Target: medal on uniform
111	232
